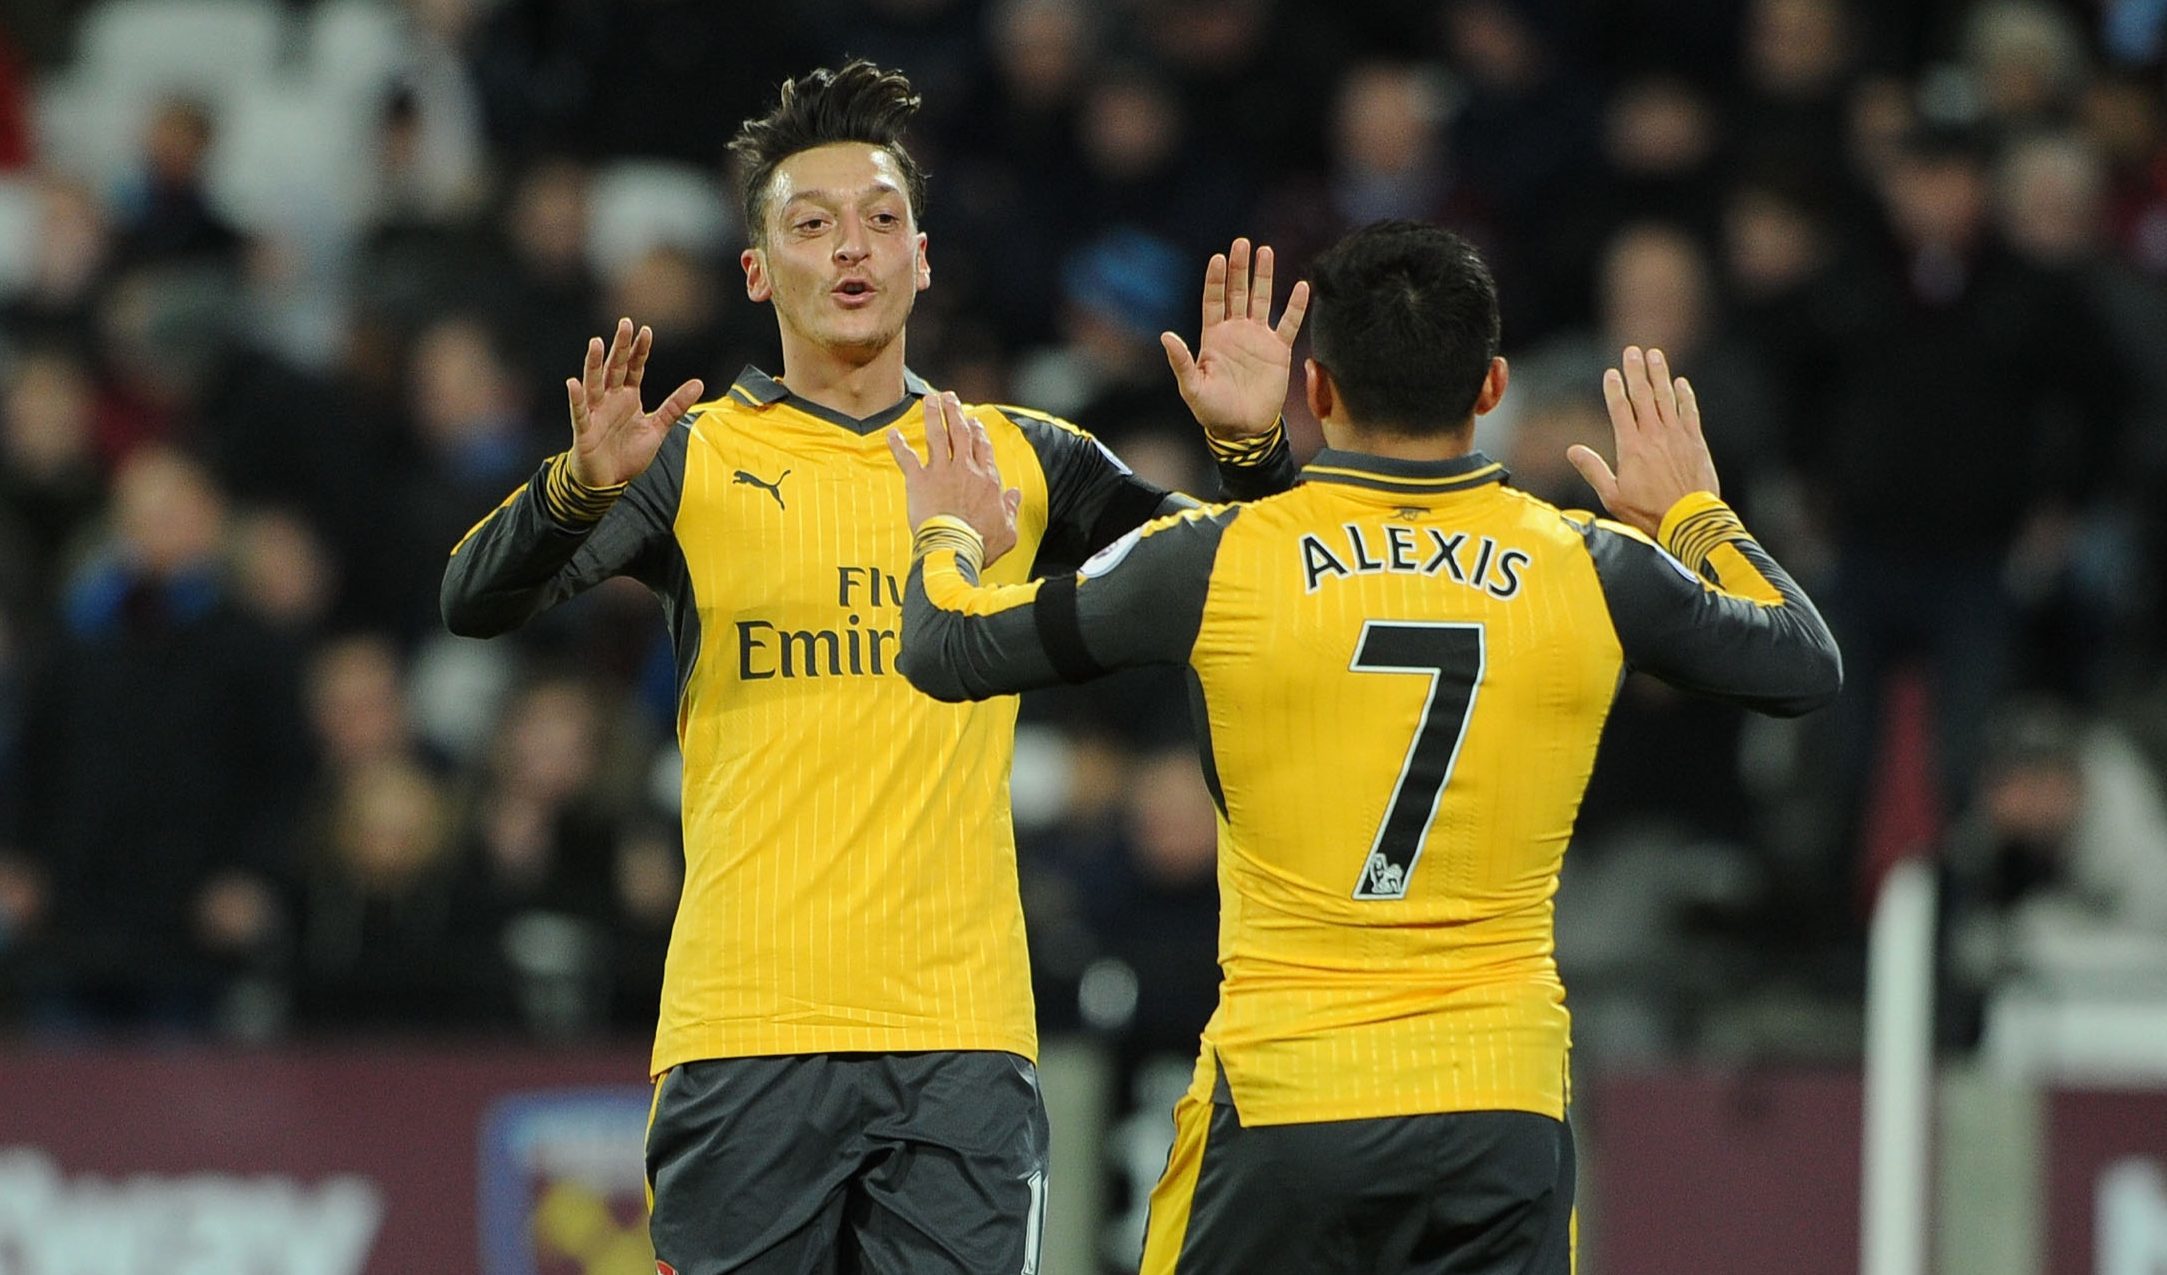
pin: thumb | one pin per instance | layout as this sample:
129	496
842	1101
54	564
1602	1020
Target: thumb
1012	502
905	458
1597	472
1178	358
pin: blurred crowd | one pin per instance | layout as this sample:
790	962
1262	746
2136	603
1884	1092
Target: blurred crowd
287	290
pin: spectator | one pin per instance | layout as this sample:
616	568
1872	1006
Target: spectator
50	484
536	849
160	796
473	441
379	943
1118	293
2028	60
357	705
1145	167
2057	874
1387	158
1799	56
648	874
168	218
71	254
1526	135
2052	201
550	303
1922	566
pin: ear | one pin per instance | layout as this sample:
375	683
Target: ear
925	267
757	285
1317	387
1493	386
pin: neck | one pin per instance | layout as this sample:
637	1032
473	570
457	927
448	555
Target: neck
1350	436
845	381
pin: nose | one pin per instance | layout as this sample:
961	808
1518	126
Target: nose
851	244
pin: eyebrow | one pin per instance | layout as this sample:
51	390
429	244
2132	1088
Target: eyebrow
874	191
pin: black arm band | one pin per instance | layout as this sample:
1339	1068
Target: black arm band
1062	633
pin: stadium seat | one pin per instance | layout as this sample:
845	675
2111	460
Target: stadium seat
636	205
288	157
131	53
207	47
354	47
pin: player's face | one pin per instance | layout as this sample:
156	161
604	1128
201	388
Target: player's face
844	260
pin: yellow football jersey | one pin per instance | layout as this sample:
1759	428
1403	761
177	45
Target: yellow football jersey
850	865
1403	670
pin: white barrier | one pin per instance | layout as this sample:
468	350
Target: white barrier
1896	1147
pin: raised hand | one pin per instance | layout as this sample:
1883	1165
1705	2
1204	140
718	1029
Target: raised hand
958	477
1236	382
613	437
1662	458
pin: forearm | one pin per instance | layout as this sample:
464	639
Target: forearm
1714	613
962	640
1765	643
514	564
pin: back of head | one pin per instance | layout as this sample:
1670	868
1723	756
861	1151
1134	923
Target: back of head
1404	318
857	102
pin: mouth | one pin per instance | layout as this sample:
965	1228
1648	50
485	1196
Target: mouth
853	294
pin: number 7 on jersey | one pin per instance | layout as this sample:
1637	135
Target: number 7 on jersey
1451	656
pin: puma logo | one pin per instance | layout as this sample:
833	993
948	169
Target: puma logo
774	489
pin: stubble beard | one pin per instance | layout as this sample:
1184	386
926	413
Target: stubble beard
830	332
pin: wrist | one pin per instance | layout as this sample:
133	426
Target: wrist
1695	524
1250	447
946	531
571	502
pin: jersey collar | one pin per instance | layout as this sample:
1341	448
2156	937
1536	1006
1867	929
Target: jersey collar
1406	477
755	388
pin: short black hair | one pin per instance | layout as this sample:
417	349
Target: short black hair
1405	320
856	102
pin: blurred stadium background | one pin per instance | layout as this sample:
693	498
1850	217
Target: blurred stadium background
330	943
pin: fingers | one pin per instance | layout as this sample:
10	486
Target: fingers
679	402
936	428
576	396
1215	289
1622	425
1665	394
590	372
1688	407
981	446
952	441
958	430
620	354
1297	306
1237	280
1596	471
905	458
1179	359
1646	415
636	366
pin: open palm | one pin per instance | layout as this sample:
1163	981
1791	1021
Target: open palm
614	438
1236	383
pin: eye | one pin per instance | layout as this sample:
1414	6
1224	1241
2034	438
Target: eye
810	225
886	220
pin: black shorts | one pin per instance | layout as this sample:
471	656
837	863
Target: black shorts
871	1163
1461	1193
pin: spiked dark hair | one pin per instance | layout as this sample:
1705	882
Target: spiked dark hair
1405	320
856	102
